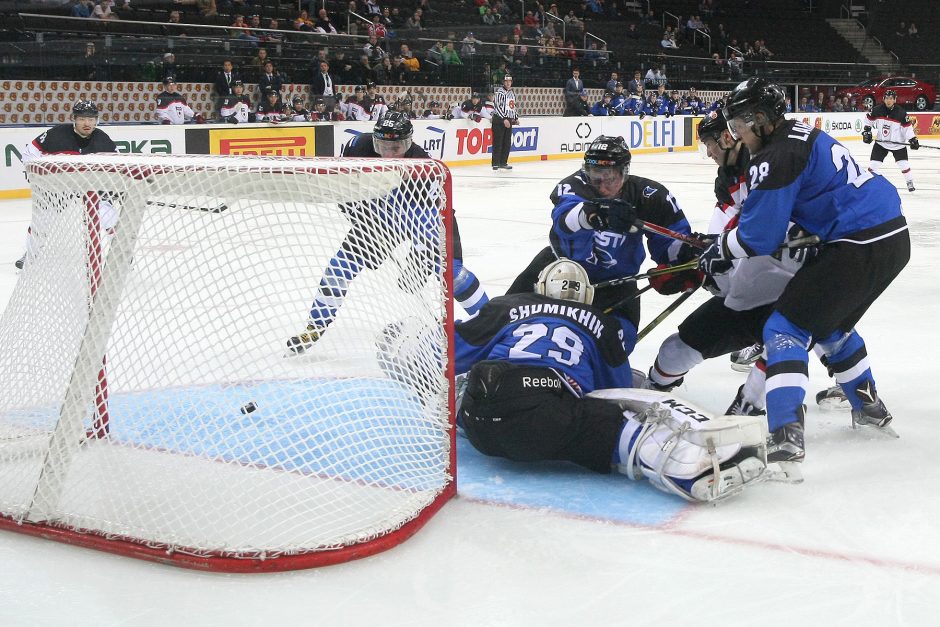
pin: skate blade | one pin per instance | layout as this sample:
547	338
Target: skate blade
784	472
886	431
741	367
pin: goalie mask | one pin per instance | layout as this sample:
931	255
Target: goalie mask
392	135
565	280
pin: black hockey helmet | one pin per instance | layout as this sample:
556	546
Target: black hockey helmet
711	126
607	152
237	83
392	135
476	95
891	94
297	98
84	109
360	88
607	94
755	95
607	165
379	99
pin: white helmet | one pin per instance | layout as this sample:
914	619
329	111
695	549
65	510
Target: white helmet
566	280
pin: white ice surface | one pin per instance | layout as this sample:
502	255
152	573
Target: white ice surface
857	544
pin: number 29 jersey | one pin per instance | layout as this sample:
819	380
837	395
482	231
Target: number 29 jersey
578	341
806	176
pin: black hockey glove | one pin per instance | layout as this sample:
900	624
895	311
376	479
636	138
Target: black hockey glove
914	143
715	260
612	214
231	119
867	136
642	115
688	252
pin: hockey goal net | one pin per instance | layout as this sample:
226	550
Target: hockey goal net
151	406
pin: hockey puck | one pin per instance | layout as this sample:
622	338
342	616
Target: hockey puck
248	408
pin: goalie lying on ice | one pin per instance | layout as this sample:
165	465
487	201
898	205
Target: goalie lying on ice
549	380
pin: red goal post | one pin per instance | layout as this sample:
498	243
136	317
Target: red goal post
152	409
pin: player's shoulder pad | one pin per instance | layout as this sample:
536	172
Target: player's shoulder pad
572	185
784	159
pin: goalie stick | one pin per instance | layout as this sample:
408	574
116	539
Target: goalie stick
217	208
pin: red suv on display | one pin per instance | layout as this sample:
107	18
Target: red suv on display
912	93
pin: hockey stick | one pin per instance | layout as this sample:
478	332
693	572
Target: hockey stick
799	242
689	265
906	145
219	208
665	313
623	301
661	230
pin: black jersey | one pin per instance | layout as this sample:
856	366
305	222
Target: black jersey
63	140
361	146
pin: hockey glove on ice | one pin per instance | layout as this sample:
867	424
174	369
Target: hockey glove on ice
914	143
715	259
867	136
676	282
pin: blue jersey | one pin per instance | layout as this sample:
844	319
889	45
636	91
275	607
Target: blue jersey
805	176
636	105
619	104
605	254
578	341
693	106
601	109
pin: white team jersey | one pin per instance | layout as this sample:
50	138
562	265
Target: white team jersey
172	109
378	110
238	109
355	112
891	129
754	281
487	111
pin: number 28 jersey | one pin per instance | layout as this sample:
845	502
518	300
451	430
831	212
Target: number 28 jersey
806	176
578	341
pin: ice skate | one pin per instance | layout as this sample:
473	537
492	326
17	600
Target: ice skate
743	360
910	186
873	412
649	384
19	263
832	399
305	340
740	407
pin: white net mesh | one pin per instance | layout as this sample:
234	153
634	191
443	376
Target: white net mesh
150	391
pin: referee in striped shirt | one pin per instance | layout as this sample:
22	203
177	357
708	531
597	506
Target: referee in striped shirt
504	118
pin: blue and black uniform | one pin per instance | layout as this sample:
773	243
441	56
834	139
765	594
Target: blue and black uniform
609	255
805	176
532	359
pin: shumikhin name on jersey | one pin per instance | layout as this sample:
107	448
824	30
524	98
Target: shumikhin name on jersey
580	315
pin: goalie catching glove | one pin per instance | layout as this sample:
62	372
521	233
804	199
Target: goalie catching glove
614	215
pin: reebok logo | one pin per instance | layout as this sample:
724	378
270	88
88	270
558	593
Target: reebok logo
541	382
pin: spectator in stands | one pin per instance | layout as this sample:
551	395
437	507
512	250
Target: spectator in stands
270	79
168	66
789	104
531	25
409	61
835	104
240	30
489	18
415	21
386	19
806	105
634	85
207	8
225	80
260	58
848	105
302	21
90	63
567	50
707	8
435	54
632	32
468	46
655	76
376	28
272	37
372	8
735	65
383	71
323	22
361	71
763	51
84	8
901	31
523	57
398	21
612	83
323	85
450	56
912	30
820	103
373	49
103	10
669	38
573	23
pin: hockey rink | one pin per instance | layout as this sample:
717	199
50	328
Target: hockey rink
858	543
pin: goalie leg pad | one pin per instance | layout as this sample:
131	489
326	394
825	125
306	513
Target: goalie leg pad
698	461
